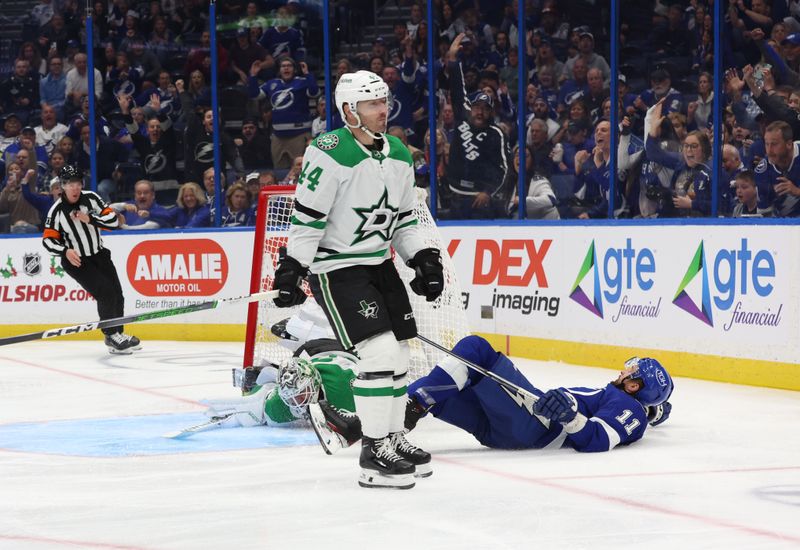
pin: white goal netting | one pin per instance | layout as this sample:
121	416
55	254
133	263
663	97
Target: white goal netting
442	320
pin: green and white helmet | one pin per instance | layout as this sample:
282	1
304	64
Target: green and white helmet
359	86
299	384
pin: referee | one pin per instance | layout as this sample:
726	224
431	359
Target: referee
72	231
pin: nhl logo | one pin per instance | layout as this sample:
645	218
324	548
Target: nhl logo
32	264
327	142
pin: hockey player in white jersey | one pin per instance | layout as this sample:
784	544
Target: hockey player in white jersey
355	200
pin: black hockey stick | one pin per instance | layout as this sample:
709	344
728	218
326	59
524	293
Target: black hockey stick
522	396
117	321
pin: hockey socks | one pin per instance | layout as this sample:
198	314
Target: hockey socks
373	394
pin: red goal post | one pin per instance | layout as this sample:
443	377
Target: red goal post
442	320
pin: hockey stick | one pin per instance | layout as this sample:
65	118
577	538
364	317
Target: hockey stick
117	321
210	424
522	396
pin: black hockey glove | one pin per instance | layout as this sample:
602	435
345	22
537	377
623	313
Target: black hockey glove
658	414
289	281
429	280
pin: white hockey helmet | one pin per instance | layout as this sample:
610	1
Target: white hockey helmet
298	385
359	86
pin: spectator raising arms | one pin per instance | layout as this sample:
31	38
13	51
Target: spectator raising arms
23	216
479	165
291	119
157	150
691	181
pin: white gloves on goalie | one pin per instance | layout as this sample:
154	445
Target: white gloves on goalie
246	410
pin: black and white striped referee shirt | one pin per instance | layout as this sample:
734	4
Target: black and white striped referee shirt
61	232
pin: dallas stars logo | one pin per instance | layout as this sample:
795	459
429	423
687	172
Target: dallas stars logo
368	310
377	220
326	142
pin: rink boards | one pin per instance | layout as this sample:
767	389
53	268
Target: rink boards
714	301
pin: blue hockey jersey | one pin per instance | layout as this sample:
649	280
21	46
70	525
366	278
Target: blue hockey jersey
615	418
501	419
288	42
290	113
767	174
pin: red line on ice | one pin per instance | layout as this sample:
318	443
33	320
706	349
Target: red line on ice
639	505
101	381
72	543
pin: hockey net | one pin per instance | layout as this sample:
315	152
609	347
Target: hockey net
442	320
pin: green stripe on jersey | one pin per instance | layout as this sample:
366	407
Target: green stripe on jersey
345	256
316	224
408	223
338	324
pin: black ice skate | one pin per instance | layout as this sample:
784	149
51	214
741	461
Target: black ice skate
410	452
118	344
382	467
335	428
135	343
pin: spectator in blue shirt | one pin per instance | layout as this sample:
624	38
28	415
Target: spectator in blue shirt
238	211
53	87
291	117
190	209
143	212
661	88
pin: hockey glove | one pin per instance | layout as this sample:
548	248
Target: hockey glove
289	281
658	414
557	406
429	279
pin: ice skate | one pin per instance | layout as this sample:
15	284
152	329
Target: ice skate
118	344
413	454
382	467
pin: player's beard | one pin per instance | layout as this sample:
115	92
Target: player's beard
379	126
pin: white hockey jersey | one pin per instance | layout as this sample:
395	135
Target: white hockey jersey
352	204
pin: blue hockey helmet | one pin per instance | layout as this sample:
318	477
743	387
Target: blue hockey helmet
656	382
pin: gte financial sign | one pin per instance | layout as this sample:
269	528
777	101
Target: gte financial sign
191	267
722	280
718	280
605	276
515	263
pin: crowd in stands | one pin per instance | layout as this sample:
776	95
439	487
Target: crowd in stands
154	124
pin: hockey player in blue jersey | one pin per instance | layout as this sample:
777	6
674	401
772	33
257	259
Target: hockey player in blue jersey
585	419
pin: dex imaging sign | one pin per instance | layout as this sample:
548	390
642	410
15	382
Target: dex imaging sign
736	282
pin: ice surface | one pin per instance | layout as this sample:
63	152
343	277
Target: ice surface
83	465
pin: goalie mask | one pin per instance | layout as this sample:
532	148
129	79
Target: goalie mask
656	382
360	86
298	385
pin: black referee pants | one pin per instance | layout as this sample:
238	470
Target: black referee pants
98	276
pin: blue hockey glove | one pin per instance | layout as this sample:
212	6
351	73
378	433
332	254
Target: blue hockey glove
429	279
658	414
289	281
557	406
